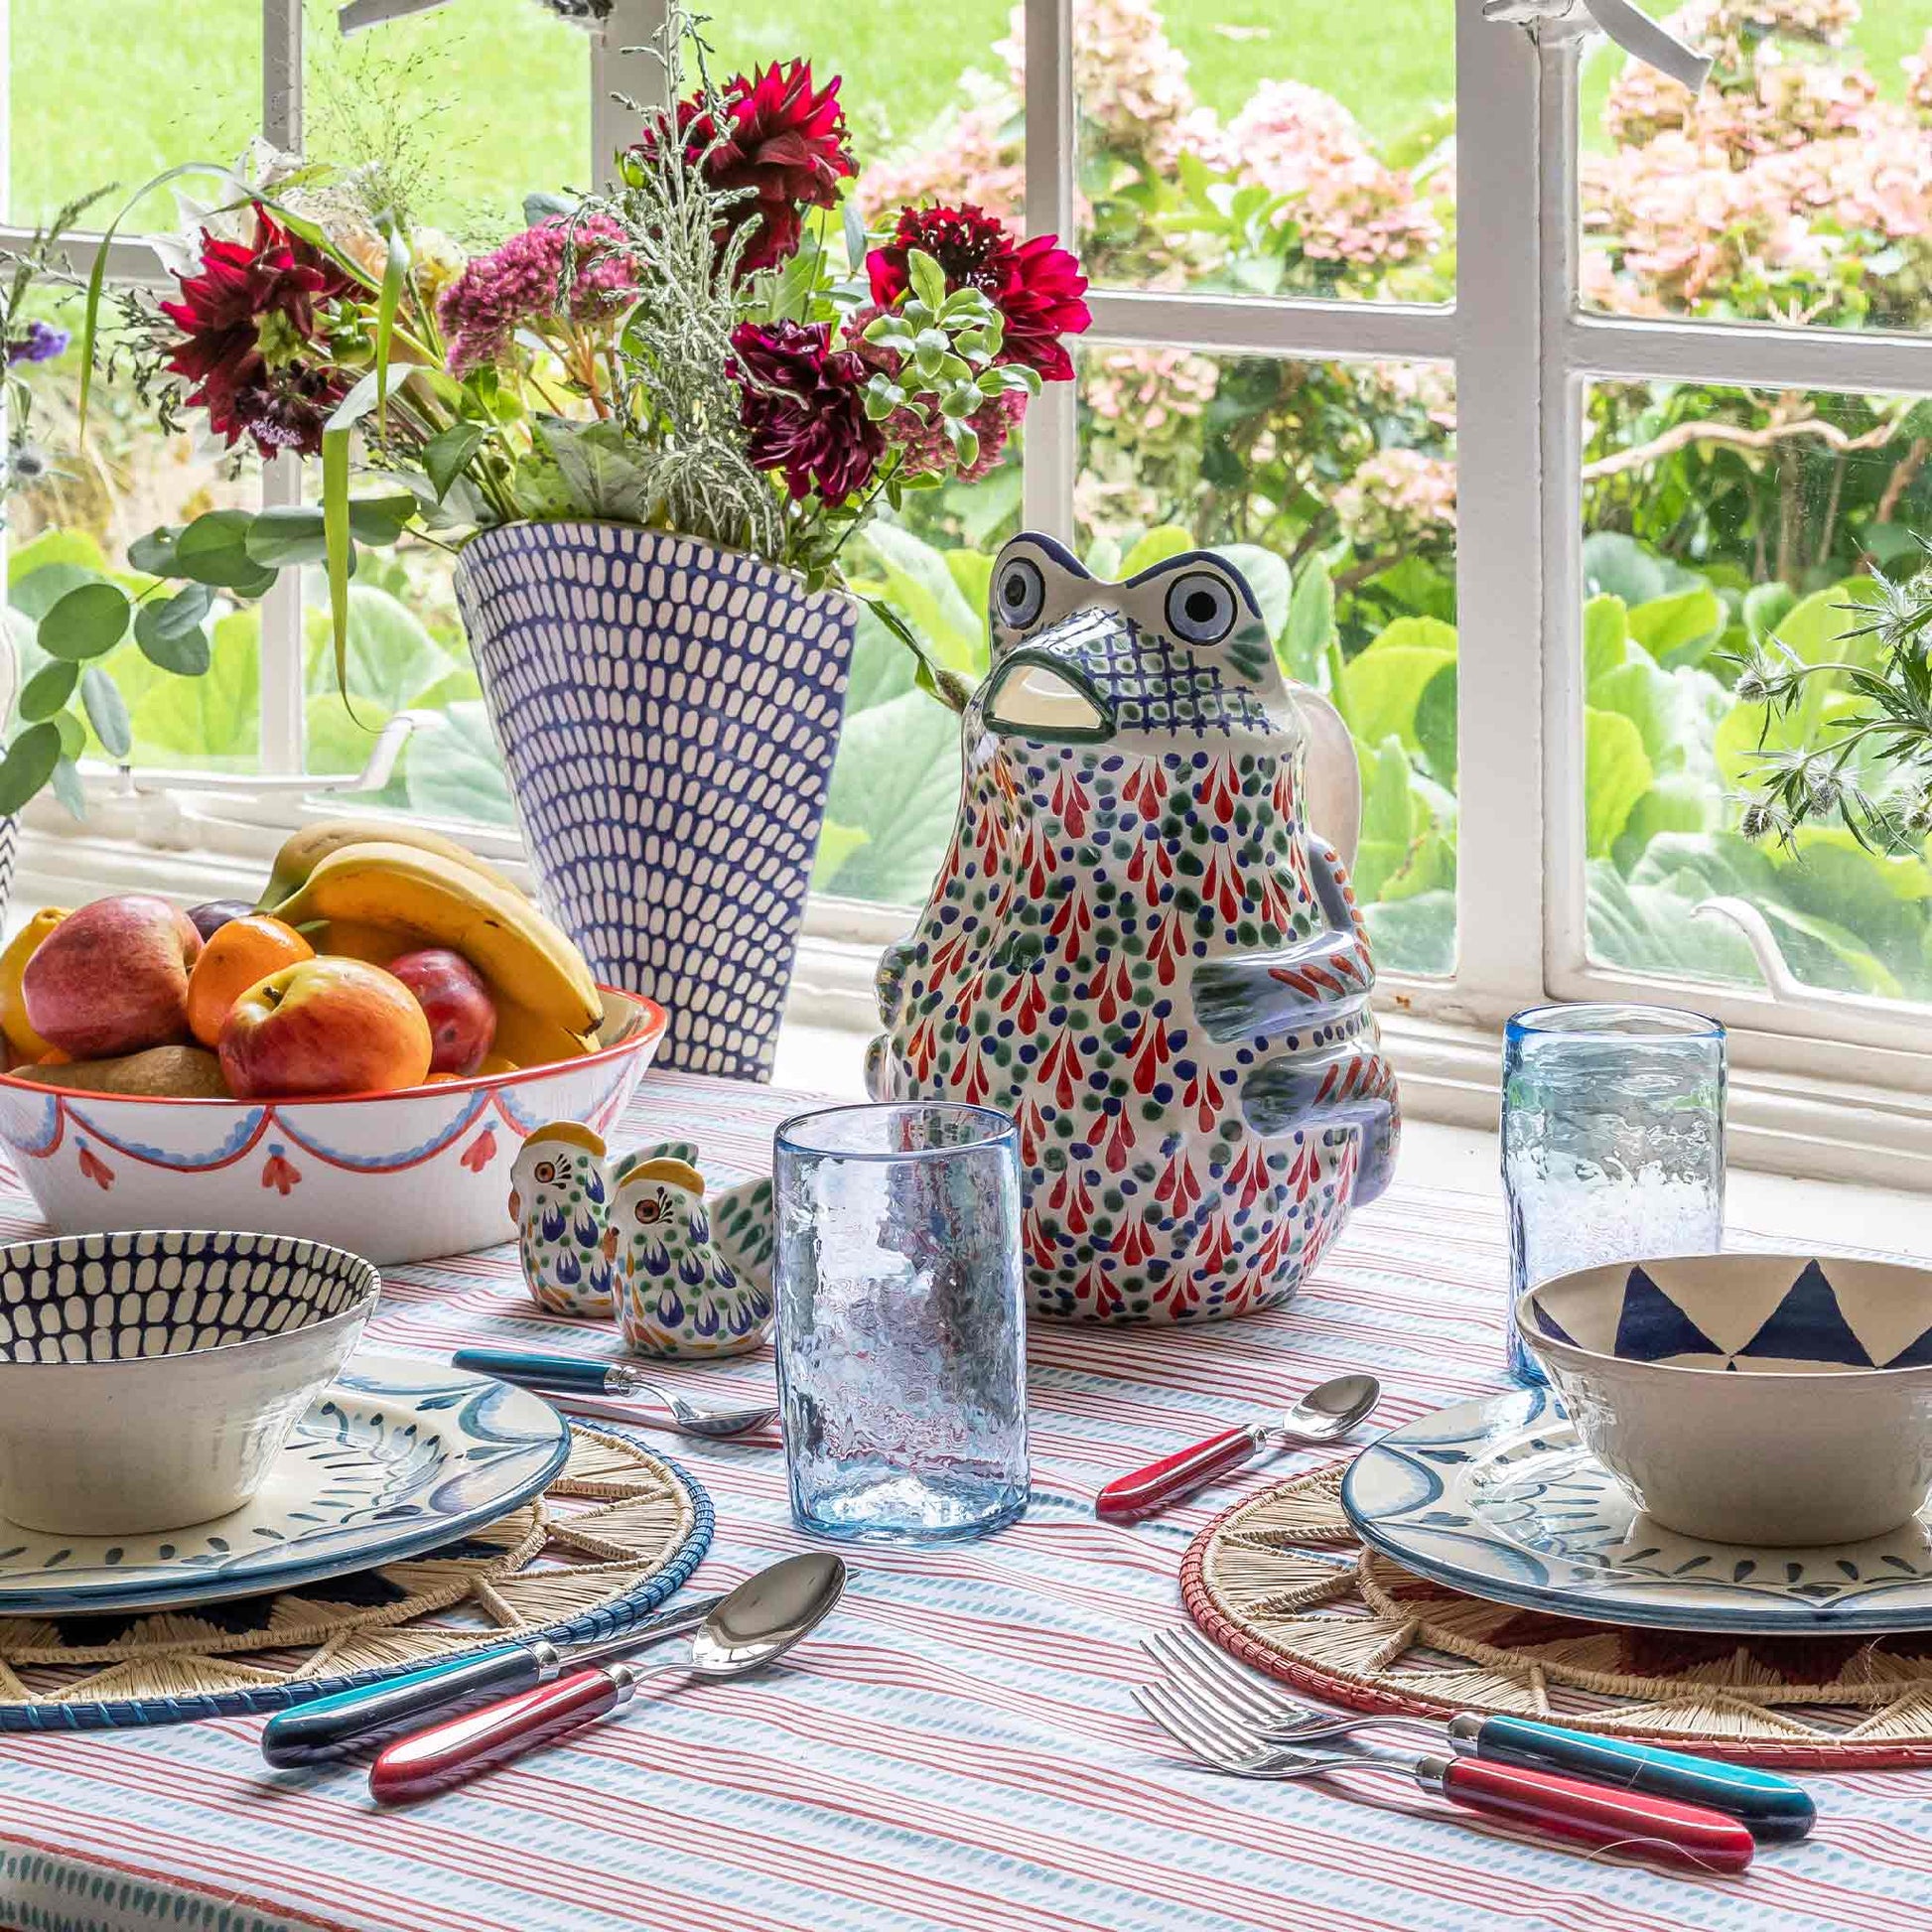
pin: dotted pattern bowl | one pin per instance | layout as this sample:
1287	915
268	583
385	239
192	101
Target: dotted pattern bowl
668	712
148	1380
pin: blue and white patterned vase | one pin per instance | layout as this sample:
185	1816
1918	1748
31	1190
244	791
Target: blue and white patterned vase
668	712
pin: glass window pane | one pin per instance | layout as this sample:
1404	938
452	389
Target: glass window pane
113	91
895	786
406	652
129	478
1243	145
1332	486
1796	189
918	81
1720	520
469	107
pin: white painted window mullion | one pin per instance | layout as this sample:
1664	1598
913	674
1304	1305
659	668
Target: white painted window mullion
1249	325
623	69
281	608
1565	834
1762	356
1051	442
1499	580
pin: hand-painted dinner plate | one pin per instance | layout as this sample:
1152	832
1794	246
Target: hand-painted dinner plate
395	1457
1499	1498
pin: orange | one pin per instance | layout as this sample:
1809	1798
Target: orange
241	953
25	1041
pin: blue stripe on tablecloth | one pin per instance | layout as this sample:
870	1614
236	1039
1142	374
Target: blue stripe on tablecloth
957	1750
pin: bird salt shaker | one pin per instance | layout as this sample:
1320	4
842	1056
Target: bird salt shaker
558	1200
692	1275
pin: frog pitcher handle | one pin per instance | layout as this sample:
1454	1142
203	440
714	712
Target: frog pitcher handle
1332	793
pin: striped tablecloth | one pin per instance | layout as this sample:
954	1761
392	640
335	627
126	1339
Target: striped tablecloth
956	1751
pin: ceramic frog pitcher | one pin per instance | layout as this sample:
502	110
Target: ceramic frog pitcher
1142	944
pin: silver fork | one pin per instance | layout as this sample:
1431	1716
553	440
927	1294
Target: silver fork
1242	1697
1600	1816
1773	1809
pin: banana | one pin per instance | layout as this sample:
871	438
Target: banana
302	852
530	1041
350	939
513	945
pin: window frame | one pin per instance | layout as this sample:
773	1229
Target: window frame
1832	1082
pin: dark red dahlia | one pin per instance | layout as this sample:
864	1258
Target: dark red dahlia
247	318
1036	285
972	246
803	403
781	138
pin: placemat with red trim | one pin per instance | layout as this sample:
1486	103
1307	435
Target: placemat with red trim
1283	1583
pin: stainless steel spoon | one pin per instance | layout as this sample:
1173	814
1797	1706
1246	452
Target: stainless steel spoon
566	1374
755	1623
1325	1415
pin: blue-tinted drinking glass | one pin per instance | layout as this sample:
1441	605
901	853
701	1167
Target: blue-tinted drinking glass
1613	1141
902	1340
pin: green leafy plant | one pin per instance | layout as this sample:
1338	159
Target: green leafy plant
1855	725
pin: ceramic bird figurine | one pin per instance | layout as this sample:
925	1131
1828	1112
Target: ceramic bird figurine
692	1273
1139	948
558	1195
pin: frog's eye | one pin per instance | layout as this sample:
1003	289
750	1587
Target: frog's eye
1019	593
1201	609
546	1171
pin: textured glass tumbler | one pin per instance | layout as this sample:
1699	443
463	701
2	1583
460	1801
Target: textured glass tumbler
1613	1141
902	1340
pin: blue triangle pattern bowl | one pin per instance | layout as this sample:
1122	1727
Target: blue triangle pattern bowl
1782	1398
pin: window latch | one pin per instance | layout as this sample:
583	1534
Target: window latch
1636	33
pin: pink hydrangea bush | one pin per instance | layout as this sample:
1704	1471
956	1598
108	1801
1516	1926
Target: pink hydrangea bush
1790	188
1396	499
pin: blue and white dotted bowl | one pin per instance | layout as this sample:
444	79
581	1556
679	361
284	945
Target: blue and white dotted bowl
1759	1399
148	1380
668	712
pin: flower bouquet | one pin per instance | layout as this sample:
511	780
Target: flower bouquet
650	423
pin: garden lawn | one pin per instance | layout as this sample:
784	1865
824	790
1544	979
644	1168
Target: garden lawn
118	90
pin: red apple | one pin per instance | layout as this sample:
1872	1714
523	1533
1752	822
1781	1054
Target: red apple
112	978
323	1026
457	1004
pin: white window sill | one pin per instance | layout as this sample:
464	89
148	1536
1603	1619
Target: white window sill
1810	1108
1438	1153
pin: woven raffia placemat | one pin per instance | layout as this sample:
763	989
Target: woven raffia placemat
612	1537
1283	1583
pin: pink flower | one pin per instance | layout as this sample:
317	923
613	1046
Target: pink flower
519	286
978	158
1918	79
1396	499
1300	144
1148	392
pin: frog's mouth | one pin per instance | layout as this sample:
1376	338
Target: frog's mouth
1040	693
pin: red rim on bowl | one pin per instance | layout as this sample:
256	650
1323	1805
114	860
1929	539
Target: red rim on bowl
653	1020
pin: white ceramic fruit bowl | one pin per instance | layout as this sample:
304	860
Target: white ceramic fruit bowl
1748	1398
148	1380
396	1177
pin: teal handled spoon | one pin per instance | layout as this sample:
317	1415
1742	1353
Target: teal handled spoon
352	1720
566	1375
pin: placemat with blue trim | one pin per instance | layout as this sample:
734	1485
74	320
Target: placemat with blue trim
610	1540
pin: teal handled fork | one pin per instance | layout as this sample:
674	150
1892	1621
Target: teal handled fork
1771	1807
